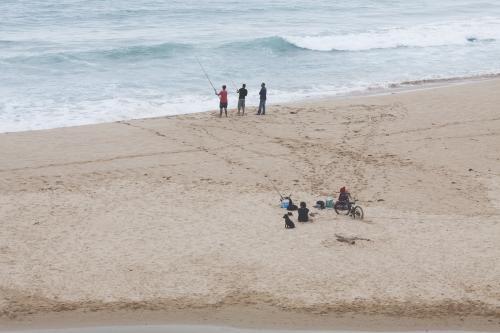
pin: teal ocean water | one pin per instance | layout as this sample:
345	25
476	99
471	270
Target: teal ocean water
72	62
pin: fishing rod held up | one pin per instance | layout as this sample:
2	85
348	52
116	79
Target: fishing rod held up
206	74
234	84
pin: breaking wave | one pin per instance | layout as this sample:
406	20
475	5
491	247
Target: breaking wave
274	43
454	33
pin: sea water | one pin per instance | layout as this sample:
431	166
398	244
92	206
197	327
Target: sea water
72	62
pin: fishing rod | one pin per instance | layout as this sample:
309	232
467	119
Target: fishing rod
276	189
206	74
234	84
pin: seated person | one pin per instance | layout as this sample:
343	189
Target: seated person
303	213
344	199
291	205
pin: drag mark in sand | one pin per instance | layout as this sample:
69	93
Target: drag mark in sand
102	160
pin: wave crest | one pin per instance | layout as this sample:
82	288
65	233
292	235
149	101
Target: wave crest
458	33
136	52
142	51
274	43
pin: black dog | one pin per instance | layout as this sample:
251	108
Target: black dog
288	222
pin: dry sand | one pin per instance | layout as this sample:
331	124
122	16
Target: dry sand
177	213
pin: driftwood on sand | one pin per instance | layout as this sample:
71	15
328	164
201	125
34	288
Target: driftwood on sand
350	240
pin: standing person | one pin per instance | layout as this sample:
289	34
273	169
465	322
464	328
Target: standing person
241	98
223	100
263	95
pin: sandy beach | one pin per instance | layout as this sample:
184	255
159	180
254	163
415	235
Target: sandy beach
179	215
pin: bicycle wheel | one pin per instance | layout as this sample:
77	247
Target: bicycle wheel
341	209
358	213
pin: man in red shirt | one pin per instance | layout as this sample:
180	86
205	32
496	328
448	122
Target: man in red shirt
223	100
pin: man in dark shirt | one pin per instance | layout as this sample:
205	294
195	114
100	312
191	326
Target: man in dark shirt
241	99
263	96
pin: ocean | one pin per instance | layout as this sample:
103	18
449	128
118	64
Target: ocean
74	62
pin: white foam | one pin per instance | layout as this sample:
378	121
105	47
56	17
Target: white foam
437	34
46	114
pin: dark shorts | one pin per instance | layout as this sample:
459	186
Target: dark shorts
223	105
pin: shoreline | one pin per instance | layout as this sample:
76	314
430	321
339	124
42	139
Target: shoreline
388	89
177	217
